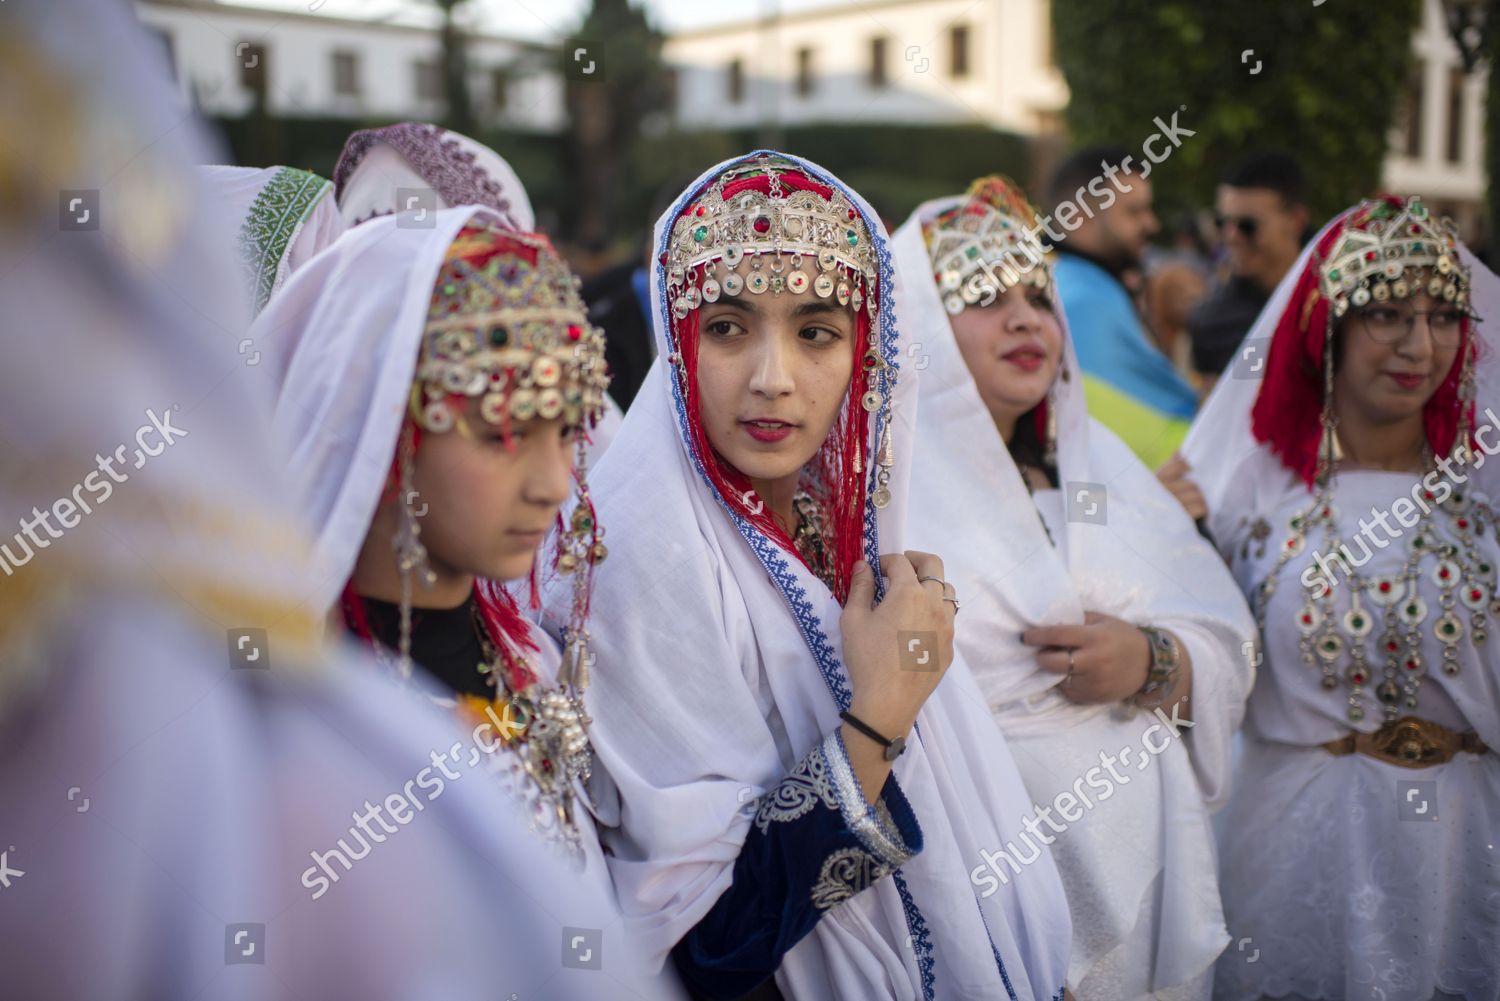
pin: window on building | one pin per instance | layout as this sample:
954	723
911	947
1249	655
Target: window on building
499	88
878	77
958	50
346	74
1455	115
804	71
252	59
736	81
429	79
1411	117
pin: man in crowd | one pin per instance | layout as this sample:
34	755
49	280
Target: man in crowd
1101	198
1262	223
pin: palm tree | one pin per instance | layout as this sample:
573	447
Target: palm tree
606	114
455	70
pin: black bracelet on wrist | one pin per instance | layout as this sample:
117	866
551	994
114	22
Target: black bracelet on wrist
893	748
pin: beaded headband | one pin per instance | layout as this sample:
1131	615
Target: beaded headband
986	245
1383	252
790	227
507	325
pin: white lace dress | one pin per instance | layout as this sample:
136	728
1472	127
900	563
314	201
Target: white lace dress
1347	877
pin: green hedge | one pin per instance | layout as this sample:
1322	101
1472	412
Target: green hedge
895	167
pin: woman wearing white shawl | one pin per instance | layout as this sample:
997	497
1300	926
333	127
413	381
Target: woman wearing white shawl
161	795
721	665
282	217
1358	856
1137	860
432	415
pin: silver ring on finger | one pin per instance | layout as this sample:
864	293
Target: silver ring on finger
955	603
1071	666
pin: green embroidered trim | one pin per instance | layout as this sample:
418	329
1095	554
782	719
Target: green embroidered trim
277	214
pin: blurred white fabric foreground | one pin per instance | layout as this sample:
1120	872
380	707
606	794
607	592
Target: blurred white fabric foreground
172	743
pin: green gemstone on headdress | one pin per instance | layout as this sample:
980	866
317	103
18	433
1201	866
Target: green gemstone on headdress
971	252
1334	274
450	289
852	237
498	337
700	234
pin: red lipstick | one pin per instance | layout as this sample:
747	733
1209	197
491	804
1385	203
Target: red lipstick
768	431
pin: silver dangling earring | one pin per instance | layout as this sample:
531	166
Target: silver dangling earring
1462	451
1329	450
411	555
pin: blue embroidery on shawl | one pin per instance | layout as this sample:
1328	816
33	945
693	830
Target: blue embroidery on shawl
1004	976
771	556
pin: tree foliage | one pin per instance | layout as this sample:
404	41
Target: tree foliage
1328	87
607	111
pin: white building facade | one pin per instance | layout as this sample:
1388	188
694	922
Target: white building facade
912	62
315	65
1437	146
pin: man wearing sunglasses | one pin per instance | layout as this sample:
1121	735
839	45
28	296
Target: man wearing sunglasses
1262	225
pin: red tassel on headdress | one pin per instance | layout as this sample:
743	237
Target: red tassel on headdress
1288	410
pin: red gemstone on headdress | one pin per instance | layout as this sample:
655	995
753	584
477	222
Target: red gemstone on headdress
1369	255
1390	646
1443	574
1463	523
702	210
574	331
1475	594
1357	678
1411	665
1385	587
1306	620
851	213
762	224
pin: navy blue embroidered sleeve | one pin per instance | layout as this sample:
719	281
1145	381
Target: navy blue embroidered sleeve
814	843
